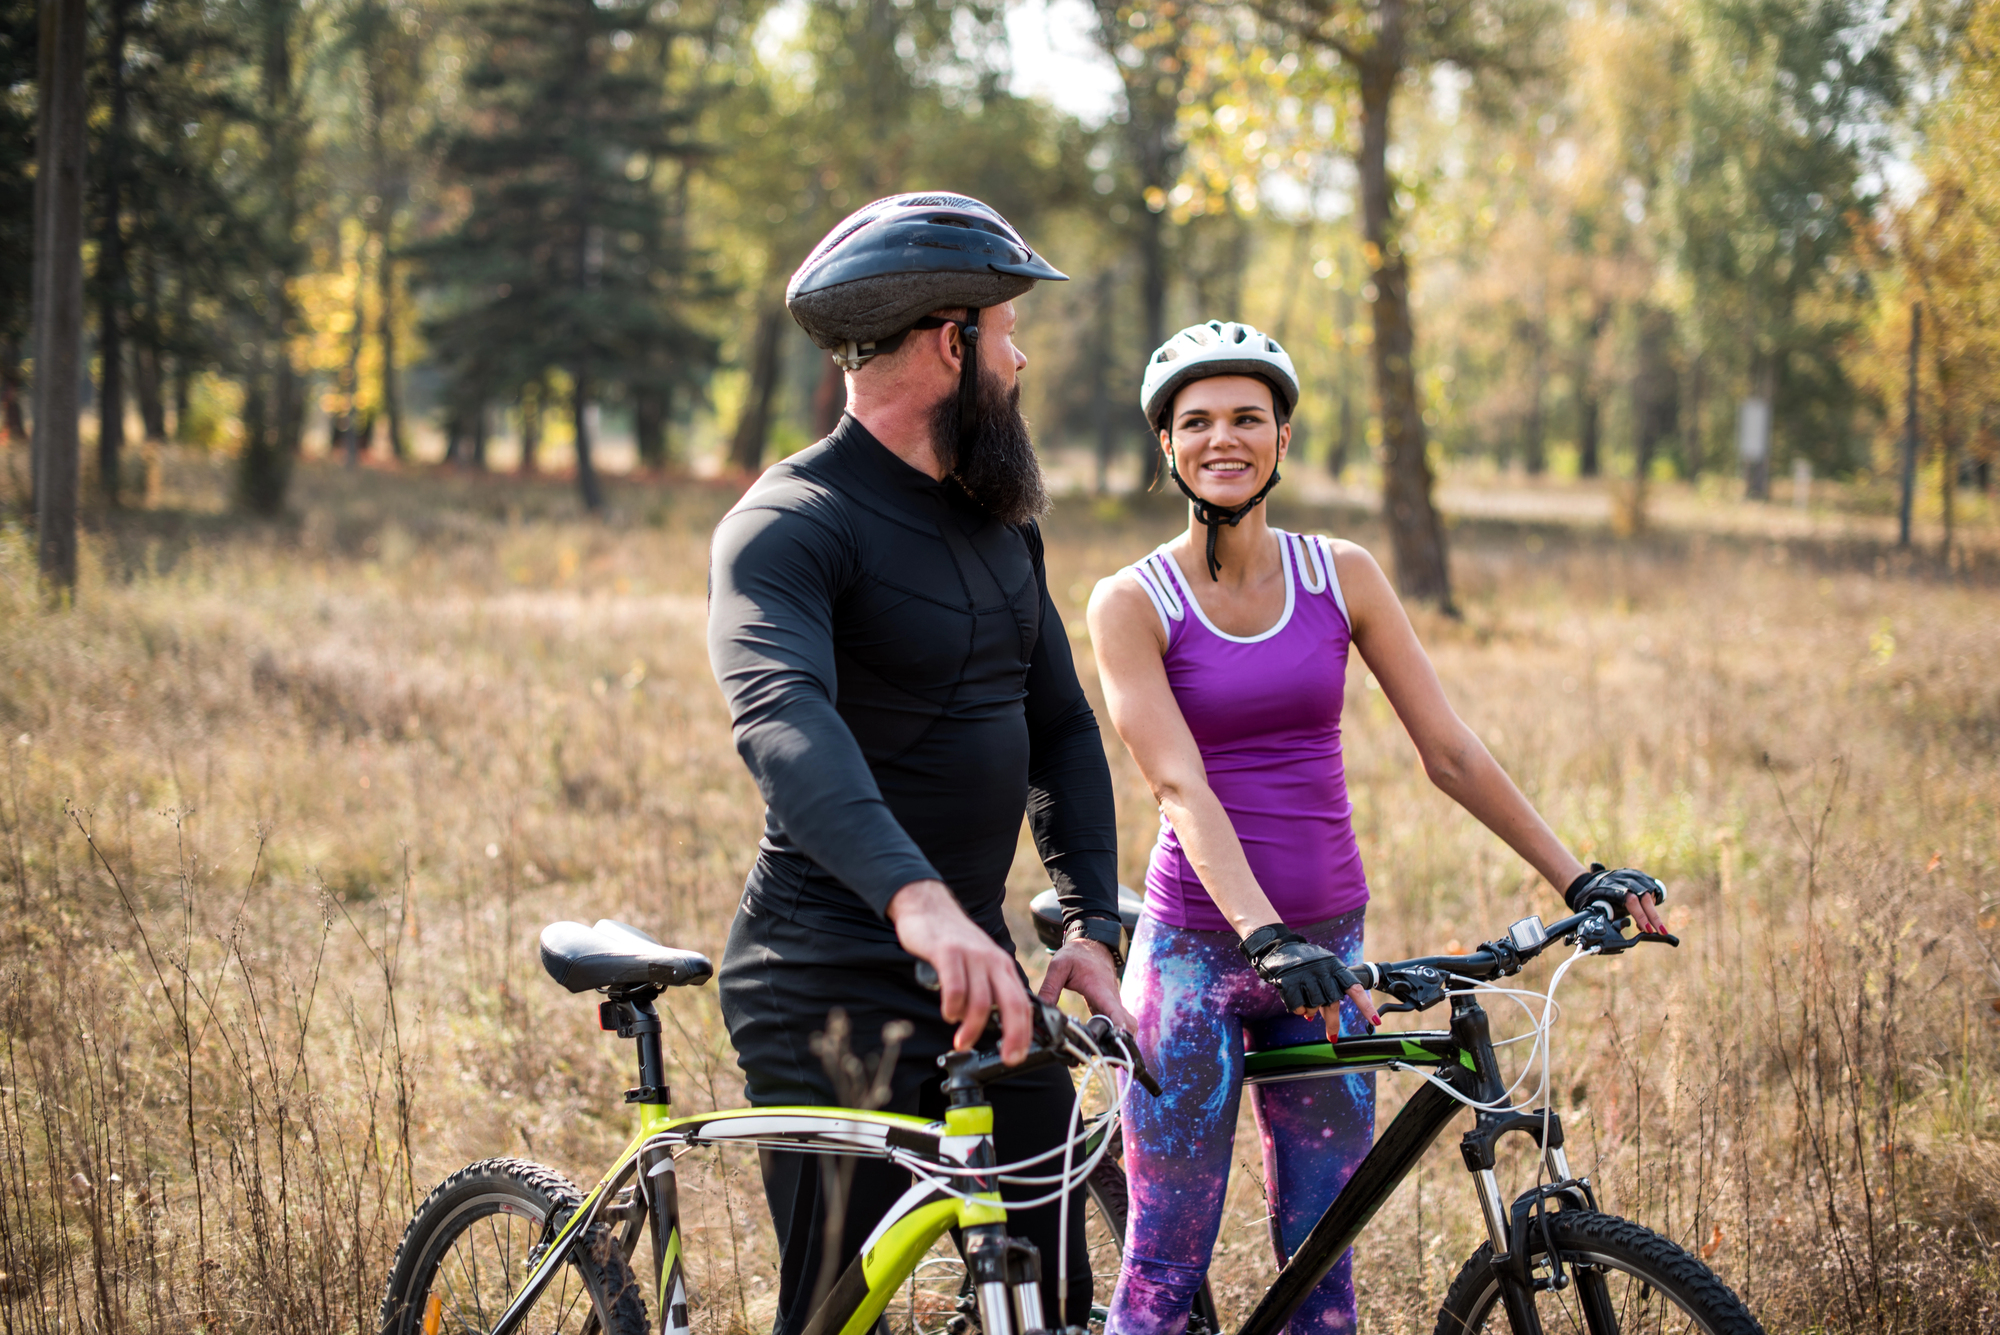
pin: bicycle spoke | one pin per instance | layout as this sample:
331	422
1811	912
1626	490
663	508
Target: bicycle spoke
471	1273
457	1305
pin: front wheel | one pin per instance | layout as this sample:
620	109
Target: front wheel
475	1238
1624	1280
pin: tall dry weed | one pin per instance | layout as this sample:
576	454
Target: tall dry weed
283	808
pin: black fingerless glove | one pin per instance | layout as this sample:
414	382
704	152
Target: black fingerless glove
1306	975
1598	886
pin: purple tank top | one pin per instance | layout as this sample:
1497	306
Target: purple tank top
1265	711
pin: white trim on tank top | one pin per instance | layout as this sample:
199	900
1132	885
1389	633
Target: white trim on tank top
1320	549
1291	596
1314	568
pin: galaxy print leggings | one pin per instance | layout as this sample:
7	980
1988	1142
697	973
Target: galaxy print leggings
1200	1007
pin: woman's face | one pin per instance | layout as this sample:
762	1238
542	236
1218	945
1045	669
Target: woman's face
1225	438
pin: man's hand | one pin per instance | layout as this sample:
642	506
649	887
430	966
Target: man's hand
1084	967
974	973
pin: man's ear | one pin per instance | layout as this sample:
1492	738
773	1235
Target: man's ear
952	346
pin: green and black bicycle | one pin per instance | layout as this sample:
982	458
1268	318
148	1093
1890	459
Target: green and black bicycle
505	1246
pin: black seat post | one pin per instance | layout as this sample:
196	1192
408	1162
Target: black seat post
636	1017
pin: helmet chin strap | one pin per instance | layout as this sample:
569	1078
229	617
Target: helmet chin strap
968	380
1214	516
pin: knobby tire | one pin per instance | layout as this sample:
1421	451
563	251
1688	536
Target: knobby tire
472	1243
1646	1283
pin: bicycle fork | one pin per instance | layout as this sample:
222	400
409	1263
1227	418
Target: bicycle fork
1514	1234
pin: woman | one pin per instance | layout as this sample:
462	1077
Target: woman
1223	655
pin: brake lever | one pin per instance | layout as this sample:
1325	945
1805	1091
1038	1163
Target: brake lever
1416	989
1607	936
1103	1032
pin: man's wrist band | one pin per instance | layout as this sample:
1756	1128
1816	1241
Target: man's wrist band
1106	932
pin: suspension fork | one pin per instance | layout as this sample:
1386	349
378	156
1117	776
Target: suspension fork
1006	1272
1470	1028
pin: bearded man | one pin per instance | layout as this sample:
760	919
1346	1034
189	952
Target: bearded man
901	686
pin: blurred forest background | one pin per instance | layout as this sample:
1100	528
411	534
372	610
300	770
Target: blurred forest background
1648	240
393	360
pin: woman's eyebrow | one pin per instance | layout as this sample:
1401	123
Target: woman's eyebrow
1208	412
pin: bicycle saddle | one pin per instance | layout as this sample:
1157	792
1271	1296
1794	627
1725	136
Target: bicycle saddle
614	955
1047	912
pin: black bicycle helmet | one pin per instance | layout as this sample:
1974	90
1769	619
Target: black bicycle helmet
891	263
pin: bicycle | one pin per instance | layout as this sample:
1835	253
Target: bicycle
1552	1259
563	1261
1551	1248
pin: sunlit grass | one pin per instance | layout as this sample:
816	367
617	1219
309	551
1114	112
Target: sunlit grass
339	771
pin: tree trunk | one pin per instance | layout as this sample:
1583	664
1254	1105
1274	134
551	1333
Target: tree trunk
479	415
753	423
531	425
392	395
1342	447
1416	532
1153	314
649	427
59	286
271	433
586	470
1100	371
383	225
146	358
111	294
1534	426
1589	426
152	413
1949	417
1589	415
11	419
1655	403
1765	378
350	372
454	437
183	395
1692	451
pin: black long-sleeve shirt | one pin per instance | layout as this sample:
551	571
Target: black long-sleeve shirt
902	689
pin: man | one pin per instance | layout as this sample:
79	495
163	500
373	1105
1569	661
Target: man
901	687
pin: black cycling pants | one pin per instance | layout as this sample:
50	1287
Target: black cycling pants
779	981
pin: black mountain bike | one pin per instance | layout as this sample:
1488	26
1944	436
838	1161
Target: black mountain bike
1552	1260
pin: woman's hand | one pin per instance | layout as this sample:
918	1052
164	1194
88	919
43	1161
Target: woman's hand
1309	977
1330	1015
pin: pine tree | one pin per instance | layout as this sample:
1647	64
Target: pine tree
566	257
18	45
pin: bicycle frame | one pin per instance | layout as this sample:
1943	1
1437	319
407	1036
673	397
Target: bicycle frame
1464	1059
1007	1291
963	1141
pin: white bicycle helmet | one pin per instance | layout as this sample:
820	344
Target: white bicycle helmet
1203	350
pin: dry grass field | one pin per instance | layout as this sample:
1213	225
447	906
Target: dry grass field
282	810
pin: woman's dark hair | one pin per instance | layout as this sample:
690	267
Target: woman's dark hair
1278	410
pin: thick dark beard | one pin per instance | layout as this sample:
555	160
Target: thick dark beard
998	467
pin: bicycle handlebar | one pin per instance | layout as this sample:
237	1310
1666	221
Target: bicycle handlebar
1056	1038
1418	984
